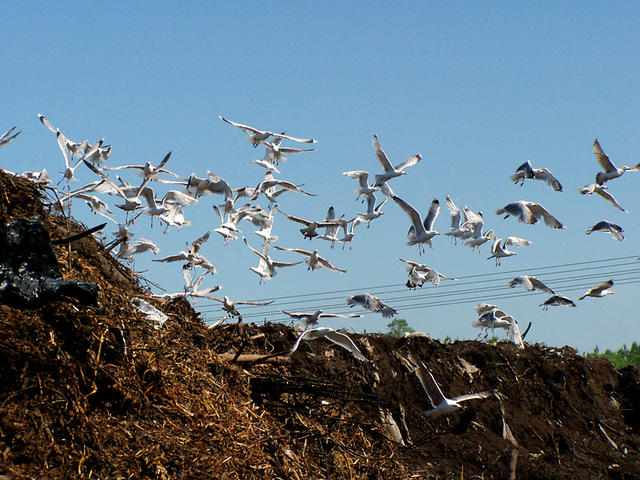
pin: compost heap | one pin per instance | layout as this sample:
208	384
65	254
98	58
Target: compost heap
97	391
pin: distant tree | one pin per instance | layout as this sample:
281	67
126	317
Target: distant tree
398	327
621	358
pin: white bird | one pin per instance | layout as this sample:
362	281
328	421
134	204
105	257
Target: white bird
499	250
441	404
372	303
420	273
610	170
459	227
389	170
191	288
256	136
229	305
492	318
274	152
267	164
331	232
309	230
333	336
530	283
475	223
373	211
207	186
146	170
192	256
7	136
529	212
363	180
141	245
314	260
268	187
349	234
266	268
311	318
526	170
150	312
602	191
422	231
557	300
599	291
608	227
174	217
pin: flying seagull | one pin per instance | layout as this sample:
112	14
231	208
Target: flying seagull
266	268
7	136
441	404
530	283
363	180
192	256
338	338
610	170
314	260
422	231
312	318
526	170
602	191
426	274
608	227
599	291
256	136
499	250
557	300
492	318
372	303
389	170
309	230
459	228
229	306
529	212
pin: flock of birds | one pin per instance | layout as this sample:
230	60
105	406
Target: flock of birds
239	206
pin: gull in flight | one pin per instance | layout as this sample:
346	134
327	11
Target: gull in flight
373	211
602	191
441	404
141	245
610	170
267	164
348	235
314	261
7	136
389	170
530	283
420	232
309	230
331	232
312	318
268	187
332	335
191	256
599	291
529	212
491	318
207	186
229	306
608	227
526	170
420	273
274	152
255	136
266	268
557	300
363	180
146	170
372	303
499	250
475	223
459	227
191	288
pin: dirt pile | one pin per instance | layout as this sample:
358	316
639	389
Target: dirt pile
99	392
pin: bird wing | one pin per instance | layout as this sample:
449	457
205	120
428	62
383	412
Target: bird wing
472	396
538	211
325	263
297	150
284	264
546	176
609	198
521	211
455	213
539	285
361	175
173	258
414	215
602	158
296	219
409	162
526	170
337	315
298	315
181	198
345	342
588	189
195	246
296	250
382	157
246	128
602	286
294	139
7	136
517	241
483	308
432	214
243	302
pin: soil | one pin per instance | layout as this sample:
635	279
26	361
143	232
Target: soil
99	392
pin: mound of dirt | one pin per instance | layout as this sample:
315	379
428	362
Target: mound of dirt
97	391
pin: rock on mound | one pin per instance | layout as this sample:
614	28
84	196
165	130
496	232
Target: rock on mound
98	392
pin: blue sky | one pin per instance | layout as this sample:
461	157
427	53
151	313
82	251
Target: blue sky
477	89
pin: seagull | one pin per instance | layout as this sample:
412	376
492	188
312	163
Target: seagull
255	136
530	283
459	224
150	312
331	232
207	186
229	306
527	171
600	290
141	245
372	303
373	211
492	318
267	164
363	180
312	318
557	300
499	251
191	256
608	227
610	170
441	404
475	223
348	235
309	231
602	191
314	260
146	170
422	231
191	287
529	212
389	170
426	274
7	136
268	187
338	338
266	268
274	152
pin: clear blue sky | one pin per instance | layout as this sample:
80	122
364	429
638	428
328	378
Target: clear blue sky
476	88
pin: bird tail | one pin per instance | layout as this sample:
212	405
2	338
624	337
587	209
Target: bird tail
500	211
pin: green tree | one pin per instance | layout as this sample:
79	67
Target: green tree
398	327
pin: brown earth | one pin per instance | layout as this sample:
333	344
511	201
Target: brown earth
98	392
